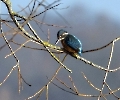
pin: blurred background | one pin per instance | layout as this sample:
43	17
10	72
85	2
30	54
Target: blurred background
94	22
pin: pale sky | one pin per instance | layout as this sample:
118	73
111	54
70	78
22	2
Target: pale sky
109	7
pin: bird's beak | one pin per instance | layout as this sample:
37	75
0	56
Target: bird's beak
57	41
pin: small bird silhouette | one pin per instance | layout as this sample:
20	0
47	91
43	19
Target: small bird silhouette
70	43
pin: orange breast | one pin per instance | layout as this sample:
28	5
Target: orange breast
67	48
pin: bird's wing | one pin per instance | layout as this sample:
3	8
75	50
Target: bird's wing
73	42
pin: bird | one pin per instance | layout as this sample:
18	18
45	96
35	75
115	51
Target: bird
70	43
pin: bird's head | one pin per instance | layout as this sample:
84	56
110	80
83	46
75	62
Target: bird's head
61	35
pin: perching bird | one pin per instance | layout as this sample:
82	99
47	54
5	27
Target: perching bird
70	43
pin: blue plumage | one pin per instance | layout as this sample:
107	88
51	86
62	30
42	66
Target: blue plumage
70	43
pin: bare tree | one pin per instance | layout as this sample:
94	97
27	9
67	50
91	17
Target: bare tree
19	26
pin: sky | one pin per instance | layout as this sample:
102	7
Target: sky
108	7
94	22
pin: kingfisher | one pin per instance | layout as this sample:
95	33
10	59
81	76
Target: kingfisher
70	43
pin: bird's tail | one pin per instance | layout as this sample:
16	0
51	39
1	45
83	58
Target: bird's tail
80	53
